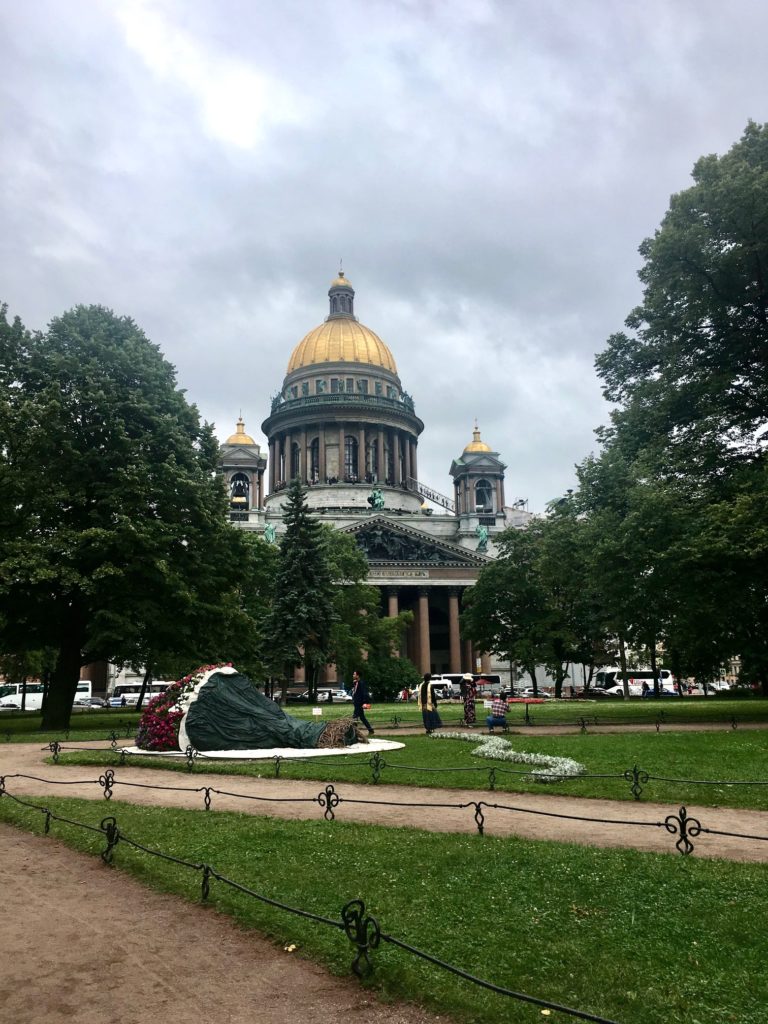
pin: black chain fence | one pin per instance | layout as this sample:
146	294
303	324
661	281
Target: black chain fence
678	824
360	927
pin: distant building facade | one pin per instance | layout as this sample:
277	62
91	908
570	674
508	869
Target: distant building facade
344	425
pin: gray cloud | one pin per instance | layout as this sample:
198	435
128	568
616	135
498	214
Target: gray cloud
486	170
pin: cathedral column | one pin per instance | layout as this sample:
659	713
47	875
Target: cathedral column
287	444
303	457
393	611
321	453
381	469
272	459
499	498
454	640
361	454
341	451
414	464
468	661
425	651
407	461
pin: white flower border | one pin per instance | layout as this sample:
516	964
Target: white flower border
551	769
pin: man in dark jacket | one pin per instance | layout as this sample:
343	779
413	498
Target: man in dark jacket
360	697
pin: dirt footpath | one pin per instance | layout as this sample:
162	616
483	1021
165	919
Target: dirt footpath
85	944
535	815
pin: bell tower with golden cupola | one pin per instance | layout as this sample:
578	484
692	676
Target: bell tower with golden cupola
478	481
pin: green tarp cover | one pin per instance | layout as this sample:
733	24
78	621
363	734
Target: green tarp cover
231	714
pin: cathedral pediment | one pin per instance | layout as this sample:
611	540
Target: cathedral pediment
386	543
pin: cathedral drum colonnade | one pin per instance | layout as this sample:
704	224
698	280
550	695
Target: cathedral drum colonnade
343	424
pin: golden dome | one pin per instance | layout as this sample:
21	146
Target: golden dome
341	340
341	281
240	436
476	445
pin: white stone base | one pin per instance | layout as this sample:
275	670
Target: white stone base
266	755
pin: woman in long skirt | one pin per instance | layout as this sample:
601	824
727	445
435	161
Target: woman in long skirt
468	695
428	705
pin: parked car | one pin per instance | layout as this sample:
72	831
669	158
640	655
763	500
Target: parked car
529	693
326	693
89	702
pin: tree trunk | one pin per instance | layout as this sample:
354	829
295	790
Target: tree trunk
654	669
63	688
145	683
532	673
623	663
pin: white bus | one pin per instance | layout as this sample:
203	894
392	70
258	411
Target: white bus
11	696
610	676
131	693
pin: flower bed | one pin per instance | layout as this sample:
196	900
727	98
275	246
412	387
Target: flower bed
159	725
548	769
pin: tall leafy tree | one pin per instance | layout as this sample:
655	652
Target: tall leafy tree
116	541
302	613
691	376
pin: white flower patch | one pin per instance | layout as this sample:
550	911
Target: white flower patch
549	769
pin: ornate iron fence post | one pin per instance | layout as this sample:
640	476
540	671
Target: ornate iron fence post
107	781
205	886
378	764
113	739
492	779
583	723
479	816
528	719
395	720
207	797
48	816
328	799
363	931
638	779
686	827
734	723
278	761
55	748
112	833
190	753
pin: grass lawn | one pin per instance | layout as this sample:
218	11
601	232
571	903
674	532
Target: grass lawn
740	754
639	938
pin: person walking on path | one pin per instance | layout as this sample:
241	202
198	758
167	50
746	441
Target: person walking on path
428	705
361	697
468	696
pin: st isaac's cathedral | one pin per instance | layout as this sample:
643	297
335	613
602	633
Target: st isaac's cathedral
343	424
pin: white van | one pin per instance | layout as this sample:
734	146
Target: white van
11	695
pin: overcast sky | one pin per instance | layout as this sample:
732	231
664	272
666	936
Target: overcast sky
486	170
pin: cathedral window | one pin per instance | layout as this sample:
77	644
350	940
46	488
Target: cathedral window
314	460
305	387
350	459
350	385
377	387
362	387
483	496
320	386
335	385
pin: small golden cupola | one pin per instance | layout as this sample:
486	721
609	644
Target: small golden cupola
476	444
240	436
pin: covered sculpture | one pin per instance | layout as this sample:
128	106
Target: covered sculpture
220	709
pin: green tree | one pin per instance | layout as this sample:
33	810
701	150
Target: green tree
532	604
359	631
116	545
302	614
691	382
692	377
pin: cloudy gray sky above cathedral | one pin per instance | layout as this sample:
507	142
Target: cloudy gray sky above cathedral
485	169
